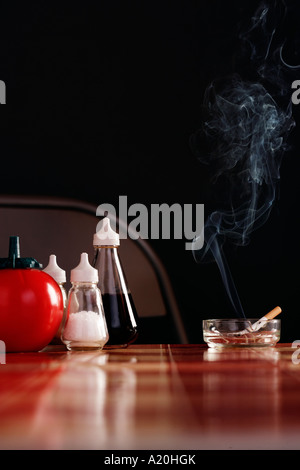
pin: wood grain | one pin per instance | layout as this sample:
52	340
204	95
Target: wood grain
151	397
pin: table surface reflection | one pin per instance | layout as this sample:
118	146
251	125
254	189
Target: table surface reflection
151	397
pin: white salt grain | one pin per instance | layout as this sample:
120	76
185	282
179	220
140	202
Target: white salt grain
84	326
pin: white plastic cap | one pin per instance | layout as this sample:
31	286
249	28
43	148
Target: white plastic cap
54	270
84	272
106	235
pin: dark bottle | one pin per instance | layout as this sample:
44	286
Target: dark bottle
120	313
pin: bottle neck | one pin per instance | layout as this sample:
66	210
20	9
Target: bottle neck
83	284
99	247
111	275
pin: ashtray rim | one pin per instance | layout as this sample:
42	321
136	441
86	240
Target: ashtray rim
232	332
241	320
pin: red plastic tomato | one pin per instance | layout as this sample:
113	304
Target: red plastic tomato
31	309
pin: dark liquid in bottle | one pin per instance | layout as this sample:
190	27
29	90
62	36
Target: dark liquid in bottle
120	328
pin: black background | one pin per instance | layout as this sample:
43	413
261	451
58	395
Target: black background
103	97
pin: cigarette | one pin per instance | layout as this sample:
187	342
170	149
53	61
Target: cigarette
262	321
255	326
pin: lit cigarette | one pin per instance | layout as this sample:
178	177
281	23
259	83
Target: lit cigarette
255	326
262	321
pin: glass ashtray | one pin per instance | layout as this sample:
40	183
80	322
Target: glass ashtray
241	332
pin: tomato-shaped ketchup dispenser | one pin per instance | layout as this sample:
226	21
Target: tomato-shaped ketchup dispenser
31	303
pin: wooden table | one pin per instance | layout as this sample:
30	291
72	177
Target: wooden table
151	397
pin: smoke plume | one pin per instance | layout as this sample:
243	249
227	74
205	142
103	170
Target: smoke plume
246	130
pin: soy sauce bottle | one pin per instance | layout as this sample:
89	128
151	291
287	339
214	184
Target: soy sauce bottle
120	313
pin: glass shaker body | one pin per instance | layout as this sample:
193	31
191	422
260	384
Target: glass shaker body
119	309
85	327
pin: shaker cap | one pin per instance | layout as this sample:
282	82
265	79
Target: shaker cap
106	236
84	272
54	270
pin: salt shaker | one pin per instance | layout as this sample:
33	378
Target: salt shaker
85	327
59	275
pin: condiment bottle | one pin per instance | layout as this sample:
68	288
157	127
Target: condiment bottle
31	304
59	275
119	309
85	327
